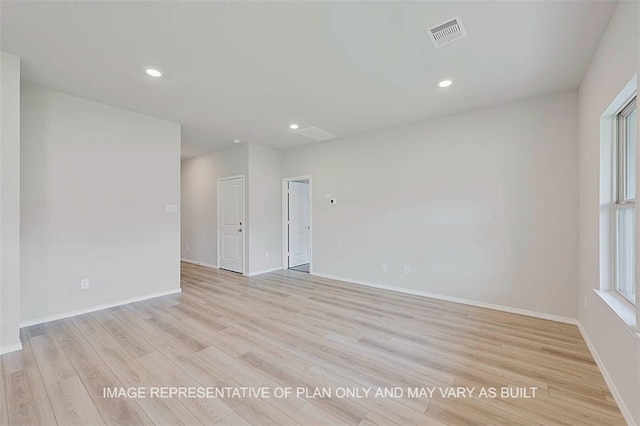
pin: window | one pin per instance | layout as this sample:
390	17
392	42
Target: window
625	190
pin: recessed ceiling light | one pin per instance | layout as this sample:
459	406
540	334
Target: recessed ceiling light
153	72
236	141
445	83
293	126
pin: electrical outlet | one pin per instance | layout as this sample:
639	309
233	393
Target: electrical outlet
84	284
332	201
383	266
406	269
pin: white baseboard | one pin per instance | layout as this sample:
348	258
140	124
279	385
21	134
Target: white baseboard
502	308
96	308
279	268
607	378
195	262
10	348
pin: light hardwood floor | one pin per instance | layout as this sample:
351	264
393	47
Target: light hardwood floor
291	329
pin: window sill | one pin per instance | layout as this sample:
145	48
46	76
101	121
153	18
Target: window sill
624	311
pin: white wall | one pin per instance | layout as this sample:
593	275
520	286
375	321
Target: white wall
199	200
9	202
613	65
95	181
265	212
480	205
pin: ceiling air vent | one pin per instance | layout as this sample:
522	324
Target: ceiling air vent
445	33
315	133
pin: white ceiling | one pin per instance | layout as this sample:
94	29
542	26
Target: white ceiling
246	70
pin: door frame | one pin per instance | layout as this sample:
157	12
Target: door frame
244	214
285	228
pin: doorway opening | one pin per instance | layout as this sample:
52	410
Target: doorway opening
296	224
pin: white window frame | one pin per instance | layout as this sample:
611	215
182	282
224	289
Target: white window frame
623	311
619	180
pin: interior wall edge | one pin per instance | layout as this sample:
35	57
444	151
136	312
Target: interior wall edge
266	271
195	262
518	311
626	413
10	348
70	314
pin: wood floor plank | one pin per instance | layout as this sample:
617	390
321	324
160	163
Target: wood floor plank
313	415
373	418
51	359
401	411
72	404
132	373
542	409
349	413
315	345
27	399
291	329
168	363
4	408
96	376
132	343
200	370
233	420
207	411
465	412
251	343
241	373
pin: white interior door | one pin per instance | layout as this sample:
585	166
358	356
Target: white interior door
298	223
231	224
